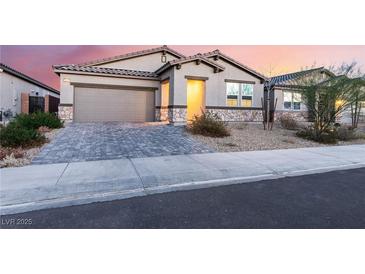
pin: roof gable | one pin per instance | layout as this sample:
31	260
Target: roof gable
219	55
199	58
163	49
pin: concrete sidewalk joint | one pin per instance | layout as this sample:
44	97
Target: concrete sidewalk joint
55	185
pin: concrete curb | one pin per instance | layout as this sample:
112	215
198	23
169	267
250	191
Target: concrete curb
87	198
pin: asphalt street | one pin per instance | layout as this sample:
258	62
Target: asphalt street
328	200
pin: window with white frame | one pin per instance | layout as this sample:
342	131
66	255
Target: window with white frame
292	100
239	94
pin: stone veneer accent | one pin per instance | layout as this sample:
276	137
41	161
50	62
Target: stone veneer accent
177	115
238	115
161	114
65	113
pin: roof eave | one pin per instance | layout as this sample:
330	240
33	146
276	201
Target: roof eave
59	71
133	55
27	78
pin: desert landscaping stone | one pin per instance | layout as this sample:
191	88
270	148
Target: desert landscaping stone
102	141
252	136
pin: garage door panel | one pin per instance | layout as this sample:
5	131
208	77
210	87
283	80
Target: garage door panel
103	105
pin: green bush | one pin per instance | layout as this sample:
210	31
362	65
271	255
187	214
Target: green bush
38	119
14	135
288	122
208	124
329	137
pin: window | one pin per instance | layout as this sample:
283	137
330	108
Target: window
247	92
292	100
239	94
233	90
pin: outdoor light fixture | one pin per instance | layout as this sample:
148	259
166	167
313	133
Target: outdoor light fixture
163	58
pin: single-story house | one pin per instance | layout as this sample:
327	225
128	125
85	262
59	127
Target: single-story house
288	99
160	84
20	93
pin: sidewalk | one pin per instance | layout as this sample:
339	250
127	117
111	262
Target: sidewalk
44	186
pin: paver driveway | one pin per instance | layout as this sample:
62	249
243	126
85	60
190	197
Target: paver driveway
100	141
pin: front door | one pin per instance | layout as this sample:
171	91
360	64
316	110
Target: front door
195	98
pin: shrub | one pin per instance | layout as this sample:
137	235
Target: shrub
345	133
329	137
13	135
38	119
288	122
208	124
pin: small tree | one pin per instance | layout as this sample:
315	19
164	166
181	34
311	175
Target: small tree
327	99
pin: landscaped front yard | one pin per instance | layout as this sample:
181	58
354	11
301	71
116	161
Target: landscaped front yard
15	157
252	136
24	136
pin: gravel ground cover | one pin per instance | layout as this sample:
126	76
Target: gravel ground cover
22	157
251	136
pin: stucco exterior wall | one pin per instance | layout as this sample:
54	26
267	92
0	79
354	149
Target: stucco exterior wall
11	88
215	86
279	94
69	80
168	74
150	62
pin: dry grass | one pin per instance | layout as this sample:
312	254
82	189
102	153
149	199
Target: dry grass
248	137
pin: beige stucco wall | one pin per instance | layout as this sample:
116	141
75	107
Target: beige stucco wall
149	62
170	75
69	80
215	85
280	104
11	88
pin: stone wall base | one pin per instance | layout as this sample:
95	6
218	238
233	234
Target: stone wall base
162	114
238	115
65	113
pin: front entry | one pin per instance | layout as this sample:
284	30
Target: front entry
195	98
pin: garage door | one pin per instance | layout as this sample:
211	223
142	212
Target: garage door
107	105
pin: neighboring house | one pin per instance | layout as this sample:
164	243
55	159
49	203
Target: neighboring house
289	99
160	84
21	93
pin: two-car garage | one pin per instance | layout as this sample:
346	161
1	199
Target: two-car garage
109	104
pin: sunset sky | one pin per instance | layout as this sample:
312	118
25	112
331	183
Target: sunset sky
37	61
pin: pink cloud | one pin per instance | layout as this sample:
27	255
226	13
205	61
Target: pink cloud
37	61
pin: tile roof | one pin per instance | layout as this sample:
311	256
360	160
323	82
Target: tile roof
188	59
133	54
18	74
101	70
235	62
286	78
